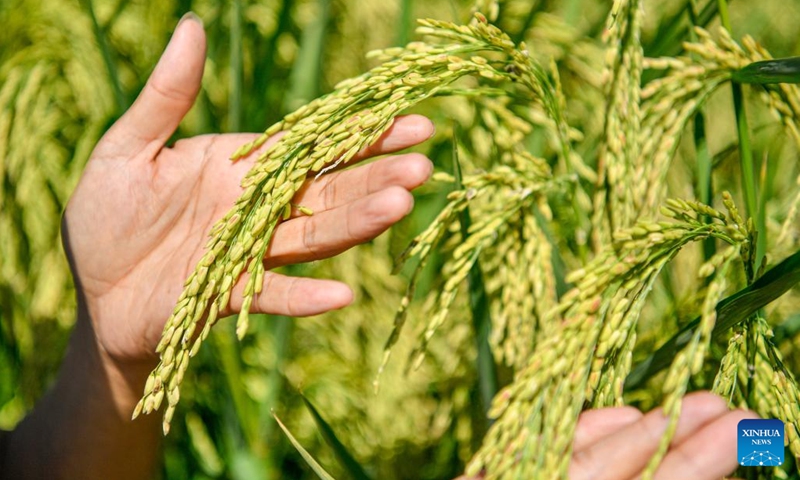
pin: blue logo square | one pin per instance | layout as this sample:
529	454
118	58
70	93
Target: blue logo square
760	443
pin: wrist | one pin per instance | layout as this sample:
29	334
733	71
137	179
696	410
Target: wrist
122	380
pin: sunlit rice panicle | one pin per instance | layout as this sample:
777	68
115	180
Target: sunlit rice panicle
726	382
618	159
671	101
587	357
495	198
783	395
325	133
689	361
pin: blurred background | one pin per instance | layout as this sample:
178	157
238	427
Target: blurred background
69	68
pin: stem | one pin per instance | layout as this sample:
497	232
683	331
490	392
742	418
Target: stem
749	183
705	187
745	152
307	70
406	22
282	329
235	102
724	16
229	356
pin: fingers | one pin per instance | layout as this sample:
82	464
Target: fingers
294	296
330	232
328	191
708	453
406	131
594	425
168	95
340	188
625	453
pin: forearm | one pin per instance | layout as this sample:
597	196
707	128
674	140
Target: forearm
82	427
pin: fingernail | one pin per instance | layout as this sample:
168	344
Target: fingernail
190	15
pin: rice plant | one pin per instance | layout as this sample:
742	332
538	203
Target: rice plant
578	246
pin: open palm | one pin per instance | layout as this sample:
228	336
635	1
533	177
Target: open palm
131	250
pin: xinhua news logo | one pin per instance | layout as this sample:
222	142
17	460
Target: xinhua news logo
760	443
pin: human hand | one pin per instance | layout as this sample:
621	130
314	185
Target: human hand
617	443
140	216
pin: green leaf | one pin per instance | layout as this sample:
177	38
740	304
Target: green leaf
783	70
321	473
730	312
346	460
479	306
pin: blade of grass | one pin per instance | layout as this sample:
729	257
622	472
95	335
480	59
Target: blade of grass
782	70
730	312
315	466
481	319
344	457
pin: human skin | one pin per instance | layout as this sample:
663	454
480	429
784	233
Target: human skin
617	443
135	228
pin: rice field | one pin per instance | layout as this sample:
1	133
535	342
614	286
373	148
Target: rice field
613	219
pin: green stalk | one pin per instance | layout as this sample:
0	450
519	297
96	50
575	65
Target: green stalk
405	23
724	15
749	184
229	356
116	86
282	329
705	188
307	69
746	156
235	101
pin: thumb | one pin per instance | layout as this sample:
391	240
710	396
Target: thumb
169	93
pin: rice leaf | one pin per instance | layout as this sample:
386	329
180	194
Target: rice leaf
321	473
730	312
783	70
344	457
